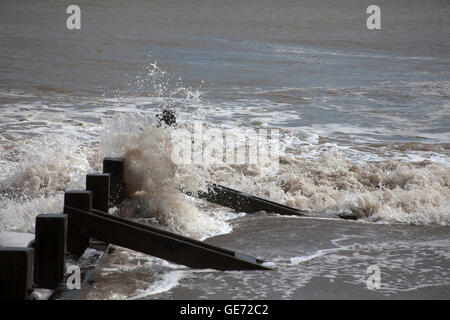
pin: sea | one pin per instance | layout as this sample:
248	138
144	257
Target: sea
362	118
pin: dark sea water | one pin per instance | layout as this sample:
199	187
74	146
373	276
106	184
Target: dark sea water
363	116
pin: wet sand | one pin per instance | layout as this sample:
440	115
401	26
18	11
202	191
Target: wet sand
312	258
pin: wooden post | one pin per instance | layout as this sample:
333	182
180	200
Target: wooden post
16	273
115	167
99	184
50	250
79	199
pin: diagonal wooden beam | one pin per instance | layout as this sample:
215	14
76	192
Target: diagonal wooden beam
177	236
243	202
158	243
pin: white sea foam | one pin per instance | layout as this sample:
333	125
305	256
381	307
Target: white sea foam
35	176
323	178
15	239
391	185
46	150
168	281
153	180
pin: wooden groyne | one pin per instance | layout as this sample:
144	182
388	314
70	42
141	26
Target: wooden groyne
243	202
84	223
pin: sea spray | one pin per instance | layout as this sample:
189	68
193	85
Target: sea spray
387	191
330	183
153	181
41	169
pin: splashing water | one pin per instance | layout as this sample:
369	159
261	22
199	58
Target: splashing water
315	176
43	168
152	180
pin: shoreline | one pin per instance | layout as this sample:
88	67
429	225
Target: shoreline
312	259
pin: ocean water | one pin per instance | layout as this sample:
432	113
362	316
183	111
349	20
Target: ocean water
363	117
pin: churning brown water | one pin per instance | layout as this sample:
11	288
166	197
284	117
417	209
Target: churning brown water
363	117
